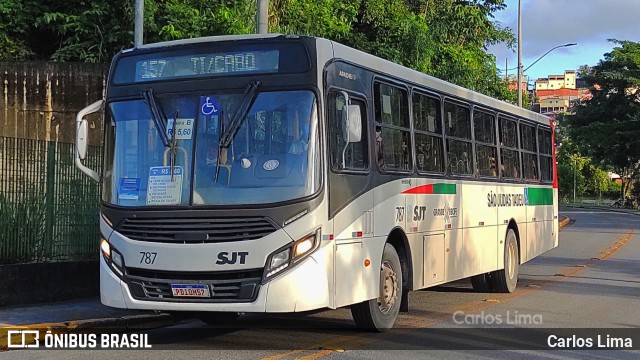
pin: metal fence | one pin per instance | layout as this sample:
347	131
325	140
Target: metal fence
49	210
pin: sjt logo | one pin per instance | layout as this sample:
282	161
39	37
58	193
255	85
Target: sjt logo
223	257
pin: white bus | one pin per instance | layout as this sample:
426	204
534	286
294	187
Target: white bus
272	173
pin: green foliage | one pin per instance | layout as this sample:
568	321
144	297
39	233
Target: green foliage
15	19
22	228
607	127
443	38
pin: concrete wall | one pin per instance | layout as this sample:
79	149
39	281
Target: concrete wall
39	100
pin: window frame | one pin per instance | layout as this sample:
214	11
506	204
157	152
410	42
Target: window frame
523	151
517	149
495	144
540	130
421	92
410	147
359	97
469	106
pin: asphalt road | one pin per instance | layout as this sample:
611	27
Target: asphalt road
592	280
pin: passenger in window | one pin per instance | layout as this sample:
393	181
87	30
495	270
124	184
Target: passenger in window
492	166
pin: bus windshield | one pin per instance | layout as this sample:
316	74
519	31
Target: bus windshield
272	157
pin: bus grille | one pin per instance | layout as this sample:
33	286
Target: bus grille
237	286
196	230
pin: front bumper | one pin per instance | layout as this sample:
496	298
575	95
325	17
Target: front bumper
301	288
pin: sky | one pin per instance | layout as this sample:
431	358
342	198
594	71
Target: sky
547	23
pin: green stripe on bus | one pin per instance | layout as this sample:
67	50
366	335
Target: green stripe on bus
444	188
540	196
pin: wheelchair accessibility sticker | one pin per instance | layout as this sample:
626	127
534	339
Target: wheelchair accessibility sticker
209	106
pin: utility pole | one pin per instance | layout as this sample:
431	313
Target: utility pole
506	70
139	20
520	53
263	16
575	165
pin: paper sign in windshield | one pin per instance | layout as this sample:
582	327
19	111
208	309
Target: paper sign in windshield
183	127
129	188
161	190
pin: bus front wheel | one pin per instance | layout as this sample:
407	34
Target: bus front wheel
380	313
505	280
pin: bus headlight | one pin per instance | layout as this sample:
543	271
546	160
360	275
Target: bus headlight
114	259
287	256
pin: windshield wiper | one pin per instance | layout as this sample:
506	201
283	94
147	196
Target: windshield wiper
158	117
240	115
172	145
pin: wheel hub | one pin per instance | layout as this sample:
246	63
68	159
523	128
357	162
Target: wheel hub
388	287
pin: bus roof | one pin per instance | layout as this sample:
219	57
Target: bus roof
205	39
375	63
429	82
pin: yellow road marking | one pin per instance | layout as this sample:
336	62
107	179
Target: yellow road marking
356	341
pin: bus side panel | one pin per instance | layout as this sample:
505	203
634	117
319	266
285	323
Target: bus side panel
481	240
354	242
540	236
391	207
511	205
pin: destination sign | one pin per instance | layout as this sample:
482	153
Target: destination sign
229	63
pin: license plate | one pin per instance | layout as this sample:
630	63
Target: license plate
190	291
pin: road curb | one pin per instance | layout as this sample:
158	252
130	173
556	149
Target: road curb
564	222
116	324
616	210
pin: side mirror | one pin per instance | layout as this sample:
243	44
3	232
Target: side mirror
82	138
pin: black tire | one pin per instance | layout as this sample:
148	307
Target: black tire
218	318
380	314
481	283
506	280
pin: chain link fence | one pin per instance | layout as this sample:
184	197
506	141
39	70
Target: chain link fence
49	210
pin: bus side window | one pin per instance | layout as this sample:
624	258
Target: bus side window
529	152
485	136
356	153
509	149
458	131
392	118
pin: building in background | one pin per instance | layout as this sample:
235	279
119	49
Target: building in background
558	94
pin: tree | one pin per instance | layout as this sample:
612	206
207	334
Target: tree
607	127
444	38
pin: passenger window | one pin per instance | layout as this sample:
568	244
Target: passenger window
393	137
486	150
457	121
428	133
355	155
509	152
546	158
529	152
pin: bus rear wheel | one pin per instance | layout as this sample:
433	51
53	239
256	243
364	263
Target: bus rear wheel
505	280
482	283
380	314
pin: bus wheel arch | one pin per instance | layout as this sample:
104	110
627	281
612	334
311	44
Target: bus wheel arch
379	314
514	226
